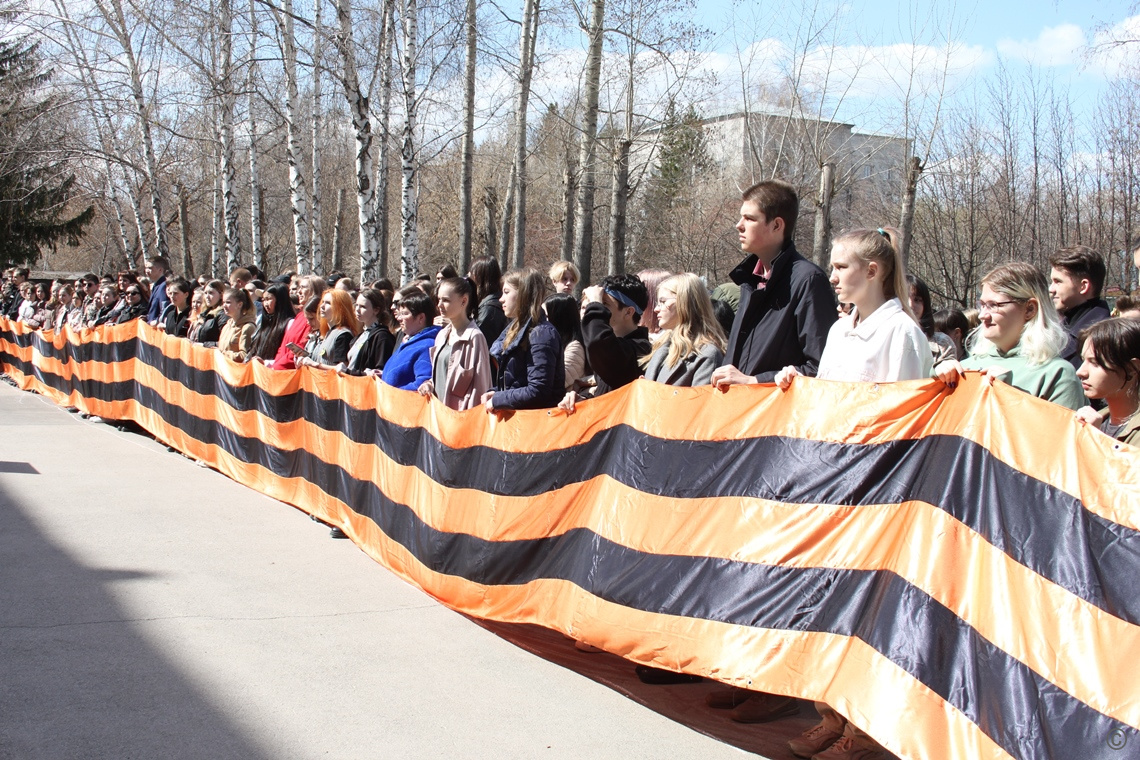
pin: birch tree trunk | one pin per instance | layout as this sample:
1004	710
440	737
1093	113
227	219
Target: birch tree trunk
490	203
140	231
256	249
316	244
118	23
527	38
584	228
619	194
409	200
184	230
507	217
362	123
468	158
906	222
216	232
337	243
297	191
569	195
387	38
227	169
618	200
821	244
101	118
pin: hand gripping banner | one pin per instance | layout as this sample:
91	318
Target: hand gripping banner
956	572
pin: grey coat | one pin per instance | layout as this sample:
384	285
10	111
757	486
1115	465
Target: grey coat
694	369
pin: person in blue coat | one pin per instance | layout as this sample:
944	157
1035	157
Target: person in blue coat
530	372
410	364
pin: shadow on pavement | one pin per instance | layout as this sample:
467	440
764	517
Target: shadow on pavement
76	679
683	703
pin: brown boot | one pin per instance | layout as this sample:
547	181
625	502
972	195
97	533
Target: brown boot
813	741
762	708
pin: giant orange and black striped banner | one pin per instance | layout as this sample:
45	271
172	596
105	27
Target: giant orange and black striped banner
957	572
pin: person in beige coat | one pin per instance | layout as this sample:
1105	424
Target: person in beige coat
461	365
237	333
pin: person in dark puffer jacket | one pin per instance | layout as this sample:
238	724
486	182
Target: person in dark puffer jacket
530	372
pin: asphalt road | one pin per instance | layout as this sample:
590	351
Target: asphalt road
151	608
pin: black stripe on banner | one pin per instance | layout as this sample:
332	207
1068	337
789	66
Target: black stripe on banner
99	351
122	390
1023	713
1036	524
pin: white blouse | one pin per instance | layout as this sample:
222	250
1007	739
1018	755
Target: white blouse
886	346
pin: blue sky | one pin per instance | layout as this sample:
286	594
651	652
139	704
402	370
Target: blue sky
1049	38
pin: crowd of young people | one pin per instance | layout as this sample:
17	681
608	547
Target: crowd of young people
525	341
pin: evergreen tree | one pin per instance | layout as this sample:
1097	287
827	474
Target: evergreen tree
35	183
683	154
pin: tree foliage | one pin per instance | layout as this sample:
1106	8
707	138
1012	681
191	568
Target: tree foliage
36	184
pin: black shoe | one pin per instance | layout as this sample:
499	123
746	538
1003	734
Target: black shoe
659	677
338	533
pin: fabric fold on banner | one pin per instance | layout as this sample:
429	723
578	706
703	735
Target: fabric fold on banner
953	570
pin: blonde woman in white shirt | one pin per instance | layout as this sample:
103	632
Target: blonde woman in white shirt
878	341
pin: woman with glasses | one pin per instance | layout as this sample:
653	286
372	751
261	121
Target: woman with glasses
137	304
1020	338
690	342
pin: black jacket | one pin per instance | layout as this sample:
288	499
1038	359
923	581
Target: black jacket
784	324
211	328
1080	318
491	319
176	323
615	361
378	344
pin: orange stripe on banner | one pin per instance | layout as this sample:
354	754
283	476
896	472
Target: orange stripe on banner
817	666
1057	634
1108	478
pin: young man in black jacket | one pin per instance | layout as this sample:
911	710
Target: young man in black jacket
1075	281
786	308
786	305
614	341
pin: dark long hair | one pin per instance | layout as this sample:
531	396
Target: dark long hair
922	293
267	339
487	276
562	311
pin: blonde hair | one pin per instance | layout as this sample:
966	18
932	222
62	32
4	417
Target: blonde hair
882	247
559	268
531	288
343	311
697	325
1042	338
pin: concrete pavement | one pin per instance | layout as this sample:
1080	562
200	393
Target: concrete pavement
150	608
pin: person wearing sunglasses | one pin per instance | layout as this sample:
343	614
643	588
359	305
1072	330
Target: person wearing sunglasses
135	302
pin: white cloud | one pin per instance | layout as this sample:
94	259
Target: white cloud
1061	45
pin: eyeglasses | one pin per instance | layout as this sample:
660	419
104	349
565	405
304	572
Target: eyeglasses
133	293
992	306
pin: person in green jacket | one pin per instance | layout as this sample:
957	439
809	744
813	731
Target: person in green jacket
1020	338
